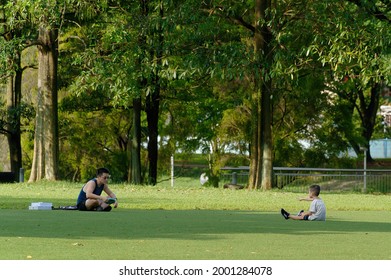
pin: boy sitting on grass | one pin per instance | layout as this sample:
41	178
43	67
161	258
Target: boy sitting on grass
317	211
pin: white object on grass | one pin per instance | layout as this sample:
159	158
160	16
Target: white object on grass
41	206
203	178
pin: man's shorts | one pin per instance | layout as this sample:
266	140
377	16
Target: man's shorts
82	206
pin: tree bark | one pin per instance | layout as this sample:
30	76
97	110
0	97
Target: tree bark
368	114
45	160
153	105
152	109
255	174
37	168
136	143
261	167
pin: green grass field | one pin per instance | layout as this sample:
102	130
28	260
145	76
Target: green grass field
190	222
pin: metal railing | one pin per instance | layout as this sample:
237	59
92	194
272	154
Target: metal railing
331	180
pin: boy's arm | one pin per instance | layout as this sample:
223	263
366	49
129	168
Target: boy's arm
306	198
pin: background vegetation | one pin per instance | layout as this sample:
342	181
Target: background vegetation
140	81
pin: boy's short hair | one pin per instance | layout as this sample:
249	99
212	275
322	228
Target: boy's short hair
101	171
315	189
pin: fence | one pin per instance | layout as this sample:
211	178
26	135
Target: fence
331	180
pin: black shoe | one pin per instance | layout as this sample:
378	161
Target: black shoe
100	208
299	214
285	214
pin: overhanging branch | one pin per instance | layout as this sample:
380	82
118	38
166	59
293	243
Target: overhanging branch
374	10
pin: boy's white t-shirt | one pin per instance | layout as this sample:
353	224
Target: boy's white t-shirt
318	209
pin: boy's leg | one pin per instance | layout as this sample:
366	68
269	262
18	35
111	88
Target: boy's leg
296	217
285	214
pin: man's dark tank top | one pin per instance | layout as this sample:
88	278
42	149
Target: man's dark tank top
82	195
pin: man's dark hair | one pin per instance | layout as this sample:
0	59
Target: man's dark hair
102	170
315	189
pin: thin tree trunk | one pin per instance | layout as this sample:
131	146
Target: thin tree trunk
266	137
256	153
136	143
13	103
152	118
13	122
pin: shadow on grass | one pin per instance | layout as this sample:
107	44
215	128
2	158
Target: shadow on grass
174	224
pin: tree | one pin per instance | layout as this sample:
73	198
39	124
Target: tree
22	15
11	126
152	100
45	159
111	65
354	50
257	18
48	15
339	46
136	54
14	113
12	46
203	67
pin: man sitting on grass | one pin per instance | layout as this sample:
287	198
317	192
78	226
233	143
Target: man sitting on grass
317	211
90	198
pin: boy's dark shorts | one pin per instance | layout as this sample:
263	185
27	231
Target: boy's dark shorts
305	218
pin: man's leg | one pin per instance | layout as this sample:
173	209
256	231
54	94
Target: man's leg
91	204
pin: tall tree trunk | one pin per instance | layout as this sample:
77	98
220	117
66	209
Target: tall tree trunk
45	161
261	168
152	109
153	104
135	161
267	137
14	95
136	143
368	114
37	168
255	151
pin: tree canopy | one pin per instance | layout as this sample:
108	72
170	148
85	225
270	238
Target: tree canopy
127	84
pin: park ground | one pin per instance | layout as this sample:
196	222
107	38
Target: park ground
191	223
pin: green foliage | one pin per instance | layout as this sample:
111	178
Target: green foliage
104	143
25	113
346	57
201	57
